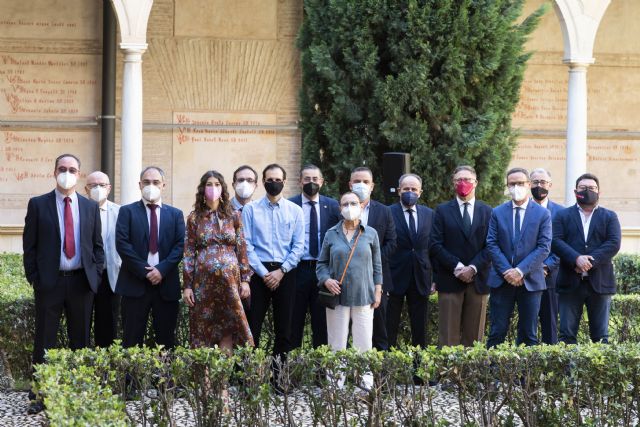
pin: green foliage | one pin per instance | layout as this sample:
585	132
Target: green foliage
627	268
435	78
591	384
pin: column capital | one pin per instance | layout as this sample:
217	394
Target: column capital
133	16
579	21
134	48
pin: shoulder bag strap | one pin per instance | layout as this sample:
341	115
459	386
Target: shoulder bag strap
353	249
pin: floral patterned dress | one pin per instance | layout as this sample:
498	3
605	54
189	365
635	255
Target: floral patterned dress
215	262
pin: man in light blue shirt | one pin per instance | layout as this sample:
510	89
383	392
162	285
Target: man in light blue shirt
274	232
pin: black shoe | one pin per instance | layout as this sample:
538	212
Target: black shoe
35	407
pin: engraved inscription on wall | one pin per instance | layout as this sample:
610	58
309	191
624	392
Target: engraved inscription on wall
36	85
199	145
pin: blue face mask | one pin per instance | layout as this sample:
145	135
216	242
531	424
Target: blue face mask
409	198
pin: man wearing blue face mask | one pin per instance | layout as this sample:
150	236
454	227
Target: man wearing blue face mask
410	265
376	215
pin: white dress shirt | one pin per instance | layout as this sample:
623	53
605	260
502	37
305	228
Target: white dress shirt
461	203
414	214
75	262
364	216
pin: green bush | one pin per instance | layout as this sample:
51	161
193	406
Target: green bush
592	384
17	317
627	268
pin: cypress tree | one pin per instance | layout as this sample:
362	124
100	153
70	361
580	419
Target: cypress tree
438	79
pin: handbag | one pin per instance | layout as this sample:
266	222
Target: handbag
325	297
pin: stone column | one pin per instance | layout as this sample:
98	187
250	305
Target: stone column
131	148
579	21
576	161
133	16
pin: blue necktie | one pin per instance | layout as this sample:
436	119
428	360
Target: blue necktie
313	230
516	227
412	225
466	219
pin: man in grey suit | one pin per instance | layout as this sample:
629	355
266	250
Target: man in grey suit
106	304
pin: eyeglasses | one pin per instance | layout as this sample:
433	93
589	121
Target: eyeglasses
469	180
63	169
588	187
98	185
540	182
519	184
310	179
347	204
249	180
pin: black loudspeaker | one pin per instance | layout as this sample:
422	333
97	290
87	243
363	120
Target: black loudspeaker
394	165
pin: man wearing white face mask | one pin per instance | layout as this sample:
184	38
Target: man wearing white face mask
63	261
106	304
245	181
379	217
150	241
518	241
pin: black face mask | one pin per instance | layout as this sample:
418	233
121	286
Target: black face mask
539	193
273	188
311	188
587	197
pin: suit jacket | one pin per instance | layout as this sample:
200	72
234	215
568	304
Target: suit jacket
553	261
381	219
132	243
411	257
602	243
112	259
41	242
450	245
528	253
329	213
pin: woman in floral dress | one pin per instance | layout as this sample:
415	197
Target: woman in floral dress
216	269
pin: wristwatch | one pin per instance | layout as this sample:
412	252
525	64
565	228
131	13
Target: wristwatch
284	270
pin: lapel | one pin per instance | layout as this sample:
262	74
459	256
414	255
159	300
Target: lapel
53	212
455	212
476	219
82	211
110	220
164	228
142	213
398	211
371	220
528	213
323	209
575	215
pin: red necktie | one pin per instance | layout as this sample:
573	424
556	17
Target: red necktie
69	239
153	231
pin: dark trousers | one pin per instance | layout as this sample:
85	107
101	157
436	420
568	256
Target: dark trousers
417	306
135	315
380	339
549	316
72	295
598	306
501	304
306	300
282	300
106	310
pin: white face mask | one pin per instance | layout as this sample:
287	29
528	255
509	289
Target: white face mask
518	192
151	193
351	213
362	190
99	194
244	190
66	180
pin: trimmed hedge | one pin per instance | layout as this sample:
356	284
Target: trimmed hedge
17	315
593	384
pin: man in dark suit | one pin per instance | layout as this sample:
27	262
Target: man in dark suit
540	186
461	262
150	241
376	215
410	265
320	214
63	260
518	241
586	237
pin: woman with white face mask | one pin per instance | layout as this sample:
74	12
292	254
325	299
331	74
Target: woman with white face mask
349	265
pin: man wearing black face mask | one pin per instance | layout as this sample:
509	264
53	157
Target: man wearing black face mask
540	185
410	265
274	232
320	214
586	237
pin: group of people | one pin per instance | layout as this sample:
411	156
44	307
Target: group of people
95	260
